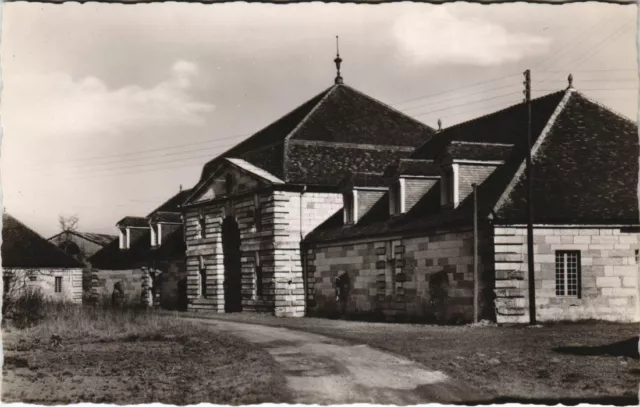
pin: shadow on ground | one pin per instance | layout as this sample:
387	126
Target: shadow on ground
627	348
608	401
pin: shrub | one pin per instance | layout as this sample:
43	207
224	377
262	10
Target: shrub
25	308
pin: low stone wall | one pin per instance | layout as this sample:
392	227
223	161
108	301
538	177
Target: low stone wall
134	283
609	274
424	278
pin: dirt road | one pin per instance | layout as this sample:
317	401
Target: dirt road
323	370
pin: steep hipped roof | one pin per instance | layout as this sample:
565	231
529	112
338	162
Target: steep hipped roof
585	172
466	150
339	117
364	180
24	248
172	204
585	169
97	238
415	167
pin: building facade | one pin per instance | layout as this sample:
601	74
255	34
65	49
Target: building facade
31	262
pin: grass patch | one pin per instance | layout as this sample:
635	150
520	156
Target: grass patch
560	363
127	356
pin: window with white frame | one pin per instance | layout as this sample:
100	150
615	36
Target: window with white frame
568	273
202	271
58	285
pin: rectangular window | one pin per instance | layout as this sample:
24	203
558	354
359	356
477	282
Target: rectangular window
568	273
637	256
202	270
201	226
58	284
257	212
259	280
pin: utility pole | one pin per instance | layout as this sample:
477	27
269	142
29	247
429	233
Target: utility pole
476	283
531	275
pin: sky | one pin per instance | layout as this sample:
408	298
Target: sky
107	109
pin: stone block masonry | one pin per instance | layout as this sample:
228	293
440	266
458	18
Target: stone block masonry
429	277
608	281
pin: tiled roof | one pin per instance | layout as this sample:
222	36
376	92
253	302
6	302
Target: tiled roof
167	217
24	248
412	166
466	150
585	172
133	221
364	179
307	144
97	238
172	204
586	169
507	126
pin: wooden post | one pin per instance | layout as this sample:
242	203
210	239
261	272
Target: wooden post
476	282
530	275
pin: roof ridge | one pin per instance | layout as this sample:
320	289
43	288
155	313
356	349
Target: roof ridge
486	143
605	107
536	146
310	112
391	108
501	110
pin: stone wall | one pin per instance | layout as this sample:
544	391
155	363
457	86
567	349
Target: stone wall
134	282
609	274
44	280
428	278
285	217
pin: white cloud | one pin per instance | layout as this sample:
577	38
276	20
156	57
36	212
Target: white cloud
55	104
438	37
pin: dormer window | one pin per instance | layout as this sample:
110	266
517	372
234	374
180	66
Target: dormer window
396	197
257	212
349	205
449	186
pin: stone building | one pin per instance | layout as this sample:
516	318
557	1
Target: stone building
146	258
254	204
403	246
30	261
81	245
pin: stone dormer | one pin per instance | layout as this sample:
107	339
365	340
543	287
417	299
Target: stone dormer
408	181
464	163
129	228
360	191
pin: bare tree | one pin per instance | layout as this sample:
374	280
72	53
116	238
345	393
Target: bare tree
68	225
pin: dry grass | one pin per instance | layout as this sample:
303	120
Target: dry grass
131	356
592	362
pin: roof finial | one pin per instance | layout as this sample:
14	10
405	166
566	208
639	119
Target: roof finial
439	124
570	79
338	61
180	187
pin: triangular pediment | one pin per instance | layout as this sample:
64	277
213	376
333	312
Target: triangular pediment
232	177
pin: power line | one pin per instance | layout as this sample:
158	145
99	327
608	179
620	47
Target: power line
458	97
453	89
466	104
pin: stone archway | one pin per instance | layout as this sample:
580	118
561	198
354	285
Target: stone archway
232	265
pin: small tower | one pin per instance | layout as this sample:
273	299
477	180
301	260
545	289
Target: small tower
338	61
